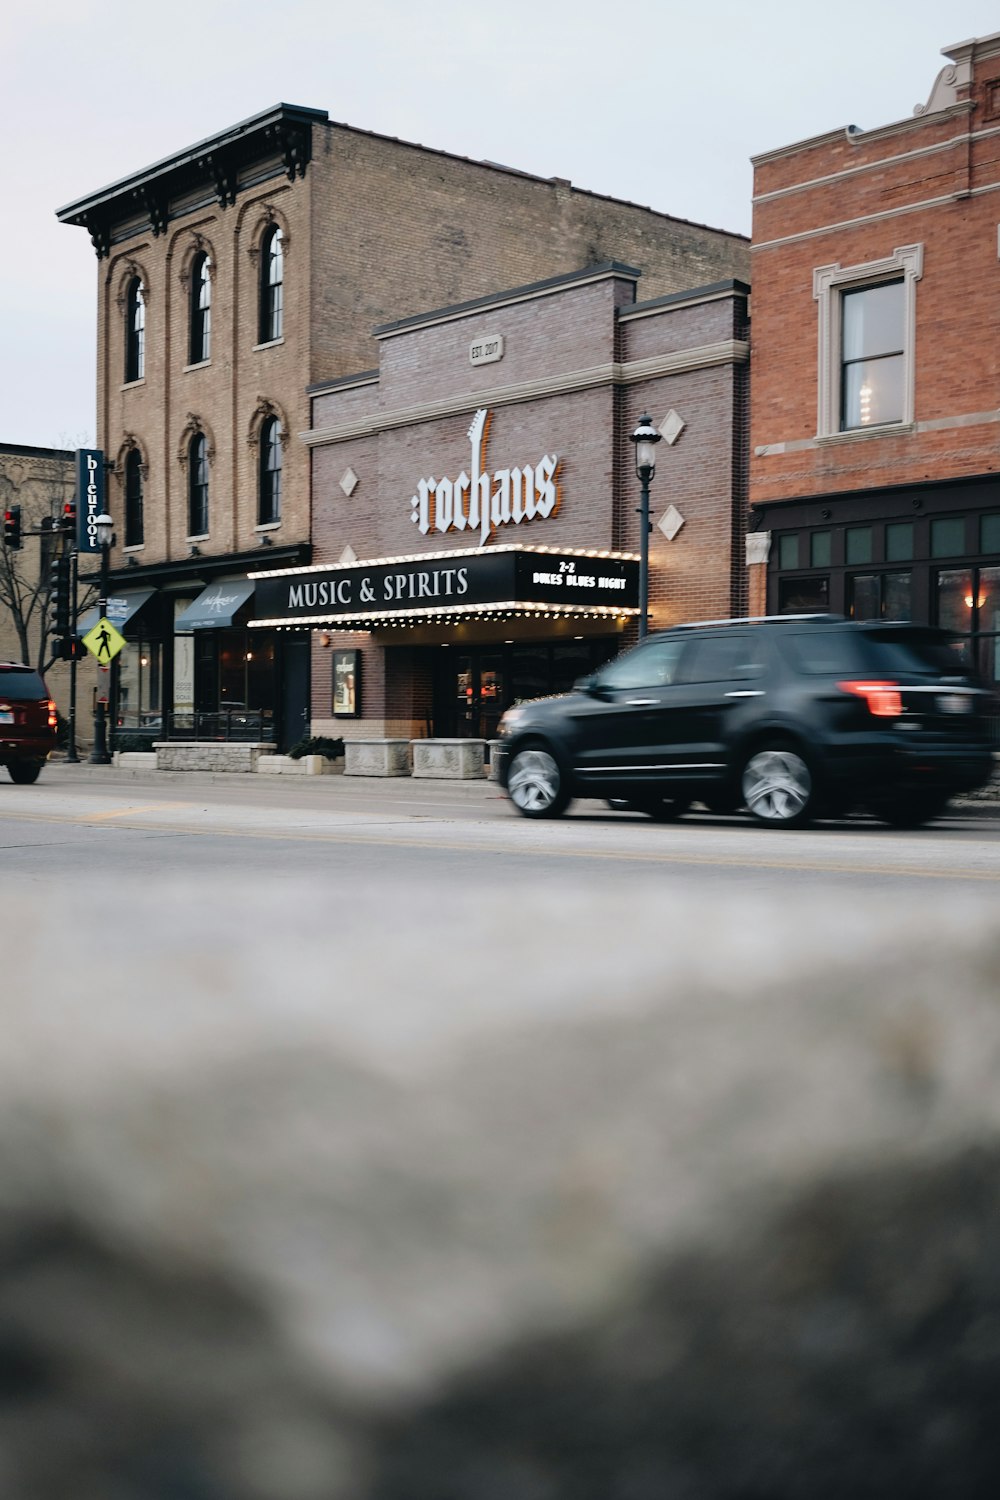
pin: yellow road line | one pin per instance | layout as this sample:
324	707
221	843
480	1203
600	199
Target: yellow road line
666	857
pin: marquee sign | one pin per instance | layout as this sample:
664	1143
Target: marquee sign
480	501
509	578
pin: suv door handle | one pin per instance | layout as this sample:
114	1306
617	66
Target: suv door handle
641	702
747	693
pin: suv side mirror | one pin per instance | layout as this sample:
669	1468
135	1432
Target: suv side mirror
585	684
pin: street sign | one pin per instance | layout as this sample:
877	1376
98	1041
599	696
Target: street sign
104	641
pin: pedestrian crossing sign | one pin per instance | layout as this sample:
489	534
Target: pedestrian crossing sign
104	641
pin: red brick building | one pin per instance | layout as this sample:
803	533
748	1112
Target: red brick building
475	527
875	443
231	277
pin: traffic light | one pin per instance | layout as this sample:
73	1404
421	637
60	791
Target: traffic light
59	622
12	528
68	522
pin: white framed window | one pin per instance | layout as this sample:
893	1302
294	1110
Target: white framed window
867	344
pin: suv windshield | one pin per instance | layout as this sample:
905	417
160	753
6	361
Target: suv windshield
21	682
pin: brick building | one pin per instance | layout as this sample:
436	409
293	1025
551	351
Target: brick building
232	277
475	531
876	372
40	481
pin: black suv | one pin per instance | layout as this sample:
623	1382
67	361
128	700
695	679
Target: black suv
791	717
27	722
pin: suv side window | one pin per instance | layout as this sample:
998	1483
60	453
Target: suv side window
653	664
824	652
725	658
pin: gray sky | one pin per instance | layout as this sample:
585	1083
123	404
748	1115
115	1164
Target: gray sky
661	104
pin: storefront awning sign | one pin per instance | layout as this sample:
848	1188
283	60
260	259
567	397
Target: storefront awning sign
509	579
121	609
215	606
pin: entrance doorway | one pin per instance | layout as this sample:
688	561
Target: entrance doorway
474	685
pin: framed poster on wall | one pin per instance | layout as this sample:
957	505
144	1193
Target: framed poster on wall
346	684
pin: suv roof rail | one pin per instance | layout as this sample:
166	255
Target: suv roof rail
821	619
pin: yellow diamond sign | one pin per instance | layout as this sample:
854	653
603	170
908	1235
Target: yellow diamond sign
104	641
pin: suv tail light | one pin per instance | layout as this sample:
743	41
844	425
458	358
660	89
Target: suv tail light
53	716
883	698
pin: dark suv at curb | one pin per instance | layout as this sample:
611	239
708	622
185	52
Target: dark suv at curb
27	722
791	718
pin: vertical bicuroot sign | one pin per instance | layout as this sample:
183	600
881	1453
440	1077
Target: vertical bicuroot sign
89	497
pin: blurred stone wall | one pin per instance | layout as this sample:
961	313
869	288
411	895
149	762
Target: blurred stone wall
507	1194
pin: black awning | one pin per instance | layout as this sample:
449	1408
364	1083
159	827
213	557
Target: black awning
215	606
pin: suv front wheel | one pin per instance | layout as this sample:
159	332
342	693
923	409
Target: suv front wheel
536	784
777	786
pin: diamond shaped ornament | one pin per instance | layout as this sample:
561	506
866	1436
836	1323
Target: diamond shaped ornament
349	482
670	522
671	427
348	557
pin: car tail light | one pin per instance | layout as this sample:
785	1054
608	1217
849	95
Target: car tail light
883	698
53	716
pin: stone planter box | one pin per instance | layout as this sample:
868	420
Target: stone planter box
376	757
449	760
197	755
134	760
304	765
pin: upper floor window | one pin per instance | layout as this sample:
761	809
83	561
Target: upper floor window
201	309
198	486
867	339
269	507
272	285
135	331
871	345
133	499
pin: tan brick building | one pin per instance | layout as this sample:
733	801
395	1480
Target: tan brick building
41	481
235	275
876	372
475	526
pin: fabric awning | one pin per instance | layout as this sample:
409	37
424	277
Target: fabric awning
121	609
216	605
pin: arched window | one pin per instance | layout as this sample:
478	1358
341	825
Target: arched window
272	278
135	331
198	486
133	499
201	309
269	488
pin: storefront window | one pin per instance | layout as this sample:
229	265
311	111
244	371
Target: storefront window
948	536
989	534
879	596
820	549
803	596
139	677
859	545
788	550
899	541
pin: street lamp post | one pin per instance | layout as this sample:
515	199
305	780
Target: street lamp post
99	754
645	437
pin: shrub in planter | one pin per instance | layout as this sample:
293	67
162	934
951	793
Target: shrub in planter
317	744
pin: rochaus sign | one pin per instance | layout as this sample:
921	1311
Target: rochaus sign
502	578
480	501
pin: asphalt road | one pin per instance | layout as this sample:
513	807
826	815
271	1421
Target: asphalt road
106	828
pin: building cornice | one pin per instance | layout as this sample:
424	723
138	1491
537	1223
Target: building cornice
859	137
727	352
284	131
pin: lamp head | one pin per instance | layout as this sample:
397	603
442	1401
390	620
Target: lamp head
645	437
104	526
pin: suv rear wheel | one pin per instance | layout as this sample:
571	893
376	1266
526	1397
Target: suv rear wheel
910	809
777	786
24	772
536	784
